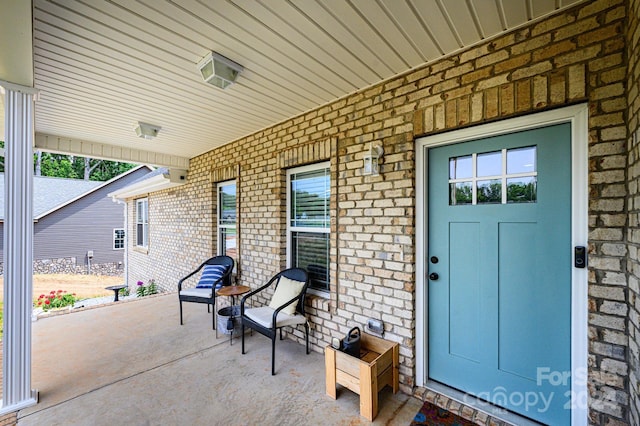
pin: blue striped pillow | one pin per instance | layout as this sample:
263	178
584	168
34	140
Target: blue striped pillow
211	274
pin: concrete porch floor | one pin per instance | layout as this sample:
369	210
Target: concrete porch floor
132	363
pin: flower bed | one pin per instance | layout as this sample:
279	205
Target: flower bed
55	300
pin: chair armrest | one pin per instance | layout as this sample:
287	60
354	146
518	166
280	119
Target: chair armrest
188	276
254	292
281	307
222	279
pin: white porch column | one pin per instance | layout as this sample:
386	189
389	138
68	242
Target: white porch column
18	248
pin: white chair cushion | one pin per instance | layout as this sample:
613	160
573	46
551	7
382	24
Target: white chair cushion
264	315
287	289
197	292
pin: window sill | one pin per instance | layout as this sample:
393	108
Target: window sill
321	302
319	293
143	250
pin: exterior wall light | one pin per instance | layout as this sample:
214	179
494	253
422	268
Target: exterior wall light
219	70
147	131
371	160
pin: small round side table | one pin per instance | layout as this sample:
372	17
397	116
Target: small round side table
231	291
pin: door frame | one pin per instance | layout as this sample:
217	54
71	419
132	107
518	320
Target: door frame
577	115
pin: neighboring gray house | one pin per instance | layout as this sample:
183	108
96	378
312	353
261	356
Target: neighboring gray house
77	227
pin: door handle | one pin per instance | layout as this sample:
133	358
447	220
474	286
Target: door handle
433	276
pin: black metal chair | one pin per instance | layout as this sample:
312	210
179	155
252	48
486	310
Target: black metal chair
266	320
216	273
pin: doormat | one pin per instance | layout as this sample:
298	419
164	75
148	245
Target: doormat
433	415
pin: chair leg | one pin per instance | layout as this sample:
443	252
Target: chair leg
213	318
181	312
242	332
273	355
208	308
280	333
306	335
215	313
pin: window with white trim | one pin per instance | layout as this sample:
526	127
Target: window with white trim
118	239
142	223
308	222
227	235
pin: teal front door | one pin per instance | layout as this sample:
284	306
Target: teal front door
499	289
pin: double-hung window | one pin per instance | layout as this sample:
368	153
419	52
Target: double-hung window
227	235
142	223
308	222
118	239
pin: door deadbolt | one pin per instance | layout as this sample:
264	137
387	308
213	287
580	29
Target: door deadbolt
433	276
434	260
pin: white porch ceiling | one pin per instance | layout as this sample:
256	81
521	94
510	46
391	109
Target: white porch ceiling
102	66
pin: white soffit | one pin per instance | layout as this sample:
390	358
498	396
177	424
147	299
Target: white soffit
102	66
166	180
92	149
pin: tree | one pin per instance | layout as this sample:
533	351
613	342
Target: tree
104	170
522	192
58	165
71	167
38	160
88	167
489	192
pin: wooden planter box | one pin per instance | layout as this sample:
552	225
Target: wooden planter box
376	368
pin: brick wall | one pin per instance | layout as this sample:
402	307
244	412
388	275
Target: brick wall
9	419
633	235
575	56
572	57
180	232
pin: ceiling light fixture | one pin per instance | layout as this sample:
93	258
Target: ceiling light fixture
219	70
147	131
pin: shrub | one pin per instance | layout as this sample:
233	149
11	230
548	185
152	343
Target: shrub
152	288
143	290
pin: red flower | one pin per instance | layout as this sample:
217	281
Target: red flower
47	302
41	296
59	291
